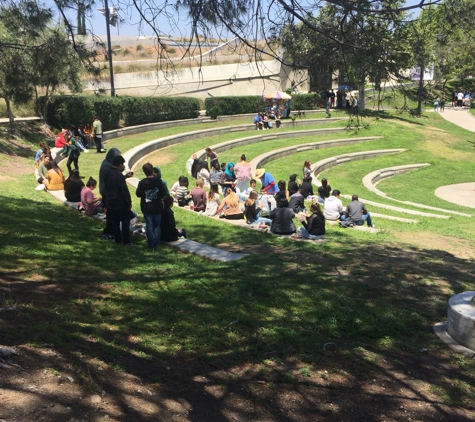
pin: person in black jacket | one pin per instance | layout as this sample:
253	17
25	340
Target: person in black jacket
151	192
168	226
306	187
314	224
73	186
282	219
297	202
119	203
292	186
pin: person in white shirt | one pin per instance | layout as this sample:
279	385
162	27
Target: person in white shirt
460	99
333	208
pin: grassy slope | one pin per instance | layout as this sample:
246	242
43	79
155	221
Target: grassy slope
376	298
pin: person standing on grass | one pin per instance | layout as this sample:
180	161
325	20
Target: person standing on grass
243	174
106	165
72	151
355	105
119	203
98	134
151	191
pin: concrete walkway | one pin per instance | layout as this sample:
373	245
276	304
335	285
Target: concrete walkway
459	116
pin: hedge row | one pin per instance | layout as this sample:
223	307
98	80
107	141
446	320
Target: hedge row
66	110
225	106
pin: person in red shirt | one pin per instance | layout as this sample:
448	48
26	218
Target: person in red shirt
60	141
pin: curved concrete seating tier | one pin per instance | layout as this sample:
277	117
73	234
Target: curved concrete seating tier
330	162
135	154
263	159
399	209
133	130
371	179
234	143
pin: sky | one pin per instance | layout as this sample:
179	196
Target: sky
130	27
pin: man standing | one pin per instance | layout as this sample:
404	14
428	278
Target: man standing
332	98
333	209
460	99
151	192
119	203
97	132
357	213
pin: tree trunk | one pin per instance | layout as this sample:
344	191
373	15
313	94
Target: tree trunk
361	99
11	117
45	107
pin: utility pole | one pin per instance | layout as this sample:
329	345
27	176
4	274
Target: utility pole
109	48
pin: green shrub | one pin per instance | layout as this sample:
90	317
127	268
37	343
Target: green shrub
143	110
225	106
305	101
67	110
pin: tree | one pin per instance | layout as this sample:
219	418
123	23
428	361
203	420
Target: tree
358	46
56	64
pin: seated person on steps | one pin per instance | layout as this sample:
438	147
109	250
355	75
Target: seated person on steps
169	232
357	213
313	224
333	209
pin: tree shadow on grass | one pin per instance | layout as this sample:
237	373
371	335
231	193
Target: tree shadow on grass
244	340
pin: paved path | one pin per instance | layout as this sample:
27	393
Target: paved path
460	194
20	119
460	117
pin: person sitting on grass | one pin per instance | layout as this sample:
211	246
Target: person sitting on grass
230	206
89	201
324	191
73	186
306	187
199	196
43	167
282	194
252	211
313	224
55	177
169	232
297	202
292	186
215	175
333	209
182	193
356	213
40	152
282	219
229	178
213	201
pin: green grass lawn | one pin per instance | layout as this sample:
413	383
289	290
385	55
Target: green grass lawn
375	296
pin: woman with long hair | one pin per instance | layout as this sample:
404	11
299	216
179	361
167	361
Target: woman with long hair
313	224
73	186
251	210
89	201
307	172
55	177
324	191
230	206
213	202
282	194
243	174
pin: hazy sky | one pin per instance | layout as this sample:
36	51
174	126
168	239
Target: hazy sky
96	22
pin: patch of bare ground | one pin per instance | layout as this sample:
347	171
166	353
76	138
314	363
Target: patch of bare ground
157	158
41	384
428	240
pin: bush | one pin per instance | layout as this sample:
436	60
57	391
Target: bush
306	101
143	110
225	106
67	110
